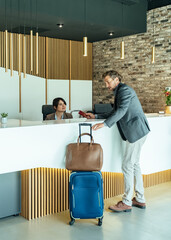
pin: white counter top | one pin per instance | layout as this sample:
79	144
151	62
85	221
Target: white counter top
12	123
27	144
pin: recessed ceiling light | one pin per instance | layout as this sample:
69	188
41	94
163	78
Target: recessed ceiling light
111	33
60	25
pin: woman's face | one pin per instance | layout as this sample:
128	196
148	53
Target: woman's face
61	106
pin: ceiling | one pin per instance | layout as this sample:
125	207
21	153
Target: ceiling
93	18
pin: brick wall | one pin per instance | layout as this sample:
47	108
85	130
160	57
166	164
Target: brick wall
149	80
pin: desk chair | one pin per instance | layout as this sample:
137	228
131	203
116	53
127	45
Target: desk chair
102	108
47	109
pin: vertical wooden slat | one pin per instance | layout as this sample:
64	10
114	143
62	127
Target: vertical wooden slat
29	195
53	192
11	53
56	190
47	193
32	193
44	191
35	192
50	191
59	190
38	192
41	192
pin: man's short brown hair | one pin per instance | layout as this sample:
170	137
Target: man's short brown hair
113	74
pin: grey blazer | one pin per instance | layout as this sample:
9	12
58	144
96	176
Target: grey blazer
52	116
128	114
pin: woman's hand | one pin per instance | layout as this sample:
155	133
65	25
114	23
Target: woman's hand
97	126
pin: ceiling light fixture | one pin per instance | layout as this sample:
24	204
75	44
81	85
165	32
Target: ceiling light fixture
11	43
6	40
24	45
153	47
122	43
85	38
111	33
60	25
37	44
31	40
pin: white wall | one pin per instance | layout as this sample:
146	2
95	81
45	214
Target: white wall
58	88
33	95
9	93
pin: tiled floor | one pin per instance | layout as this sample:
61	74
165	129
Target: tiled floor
152	223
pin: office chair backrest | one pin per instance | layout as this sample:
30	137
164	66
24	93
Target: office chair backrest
47	109
102	108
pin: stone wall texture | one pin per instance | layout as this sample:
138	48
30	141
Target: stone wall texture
148	80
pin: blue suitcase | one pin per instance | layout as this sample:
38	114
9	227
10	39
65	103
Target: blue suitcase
86	196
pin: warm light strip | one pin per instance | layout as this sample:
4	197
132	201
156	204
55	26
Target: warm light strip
11	53
31	50
6	50
37	53
122	50
19	55
153	55
24	55
85	46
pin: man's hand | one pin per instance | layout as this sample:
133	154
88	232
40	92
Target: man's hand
90	115
97	126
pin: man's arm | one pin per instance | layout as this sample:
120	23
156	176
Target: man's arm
123	100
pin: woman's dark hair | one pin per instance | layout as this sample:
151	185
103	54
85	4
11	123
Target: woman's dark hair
113	74
56	101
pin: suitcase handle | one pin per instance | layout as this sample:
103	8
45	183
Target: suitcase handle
85	124
83	134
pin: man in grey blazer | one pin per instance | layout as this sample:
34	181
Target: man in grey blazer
133	127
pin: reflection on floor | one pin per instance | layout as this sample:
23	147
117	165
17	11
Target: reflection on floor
151	223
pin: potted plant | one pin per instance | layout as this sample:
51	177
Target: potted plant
168	100
4	117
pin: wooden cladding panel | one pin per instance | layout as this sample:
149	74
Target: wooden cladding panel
45	191
81	67
58	58
41	57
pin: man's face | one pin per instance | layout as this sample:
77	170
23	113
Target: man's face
111	83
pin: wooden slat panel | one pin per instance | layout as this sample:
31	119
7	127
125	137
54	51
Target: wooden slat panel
58	59
81	66
45	191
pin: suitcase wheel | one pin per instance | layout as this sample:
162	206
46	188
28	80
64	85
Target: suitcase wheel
72	221
100	221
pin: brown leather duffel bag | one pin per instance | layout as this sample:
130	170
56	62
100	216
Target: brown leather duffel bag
84	156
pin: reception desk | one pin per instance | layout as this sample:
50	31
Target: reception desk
29	144
37	149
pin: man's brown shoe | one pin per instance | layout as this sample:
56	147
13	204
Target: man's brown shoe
120	207
138	204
